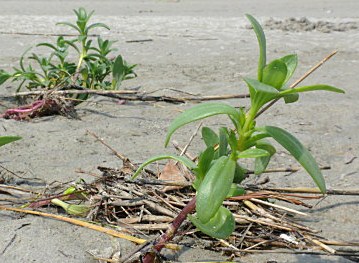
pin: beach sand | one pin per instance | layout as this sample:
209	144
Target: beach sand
203	47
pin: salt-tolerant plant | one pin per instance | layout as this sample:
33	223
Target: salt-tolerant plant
220	170
91	70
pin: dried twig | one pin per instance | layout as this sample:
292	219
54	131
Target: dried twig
44	34
131	95
73	91
279	206
294	252
85	224
102	141
288	170
304	190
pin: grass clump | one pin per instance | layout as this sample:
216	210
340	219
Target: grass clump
57	70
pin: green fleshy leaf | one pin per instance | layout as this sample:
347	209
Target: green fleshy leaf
209	137
70	25
118	72
221	225
261	163
254	138
47	45
312	88
204	163
236	190
223	143
199	112
291	98
214	188
301	154
240	174
92	26
232	140
252	153
275	73
262	45
8	139
182	159
260	93
76	210
291	61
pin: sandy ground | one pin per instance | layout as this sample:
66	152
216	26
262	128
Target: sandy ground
200	47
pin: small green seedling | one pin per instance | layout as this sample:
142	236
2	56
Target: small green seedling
219	170
91	70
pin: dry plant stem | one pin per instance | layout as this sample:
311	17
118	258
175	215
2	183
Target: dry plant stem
135	96
75	91
184	150
305	190
339	243
162	240
44	34
18	189
295	252
288	170
308	73
279	207
122	157
320	244
178	148
86	224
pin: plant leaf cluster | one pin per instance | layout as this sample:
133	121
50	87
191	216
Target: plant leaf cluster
219	170
91	70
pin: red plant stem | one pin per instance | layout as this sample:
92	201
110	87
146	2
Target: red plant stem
29	108
161	241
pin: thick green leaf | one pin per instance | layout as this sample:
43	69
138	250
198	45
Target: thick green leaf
70	25
238	123
118	72
7	139
223	142
204	163
254	138
291	98
291	61
240	174
199	112
47	45
260	93
221	225
261	87
261	163
252	153
209	137
311	88
232	140
274	73
235	190
214	188
182	159
301	154
262	45
92	26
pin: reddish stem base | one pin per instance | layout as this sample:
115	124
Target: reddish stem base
161	241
